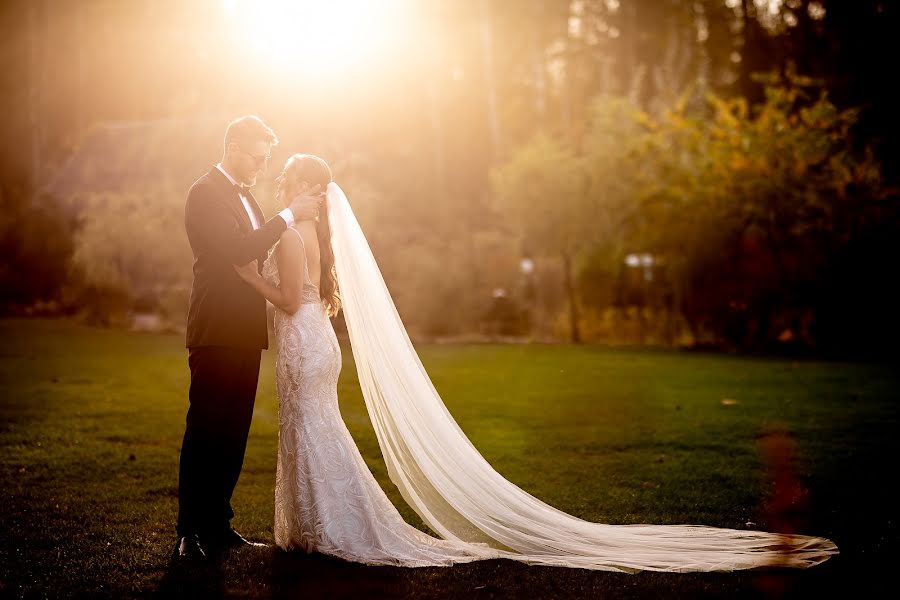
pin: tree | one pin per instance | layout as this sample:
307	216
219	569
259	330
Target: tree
751	208
133	246
36	246
542	189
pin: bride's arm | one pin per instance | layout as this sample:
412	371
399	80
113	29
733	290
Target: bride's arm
289	257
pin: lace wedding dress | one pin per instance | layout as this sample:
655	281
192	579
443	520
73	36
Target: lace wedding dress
326	499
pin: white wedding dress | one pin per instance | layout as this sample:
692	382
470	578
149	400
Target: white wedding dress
326	500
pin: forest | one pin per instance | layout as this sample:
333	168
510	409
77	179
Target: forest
715	174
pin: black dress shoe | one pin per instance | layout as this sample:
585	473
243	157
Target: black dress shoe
189	549
232	539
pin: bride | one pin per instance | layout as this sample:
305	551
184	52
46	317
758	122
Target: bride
327	500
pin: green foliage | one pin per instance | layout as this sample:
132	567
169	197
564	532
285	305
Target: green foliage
745	210
616	150
133	245
35	246
775	199
542	190
754	216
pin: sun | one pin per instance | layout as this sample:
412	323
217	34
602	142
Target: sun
316	37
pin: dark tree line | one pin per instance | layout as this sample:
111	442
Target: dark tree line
630	90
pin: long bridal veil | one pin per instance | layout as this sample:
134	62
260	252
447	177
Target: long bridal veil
444	478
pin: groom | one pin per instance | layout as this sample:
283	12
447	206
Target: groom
226	331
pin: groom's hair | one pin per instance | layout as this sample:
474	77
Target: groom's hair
247	130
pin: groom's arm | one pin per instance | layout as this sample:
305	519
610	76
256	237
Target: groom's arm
213	228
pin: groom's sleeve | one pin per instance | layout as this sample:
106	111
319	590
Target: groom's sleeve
288	216
213	229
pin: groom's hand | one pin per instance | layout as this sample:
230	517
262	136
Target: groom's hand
248	272
305	205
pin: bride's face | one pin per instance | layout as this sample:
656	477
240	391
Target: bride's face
288	189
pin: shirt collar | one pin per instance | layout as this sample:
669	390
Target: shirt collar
225	173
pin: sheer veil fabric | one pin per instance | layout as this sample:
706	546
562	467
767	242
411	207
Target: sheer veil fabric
444	478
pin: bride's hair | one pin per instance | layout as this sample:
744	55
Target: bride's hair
315	171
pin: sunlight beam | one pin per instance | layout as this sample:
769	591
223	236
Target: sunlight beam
316	37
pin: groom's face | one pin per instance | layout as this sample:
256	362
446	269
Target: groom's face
252	160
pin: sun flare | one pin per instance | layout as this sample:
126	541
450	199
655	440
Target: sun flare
316	37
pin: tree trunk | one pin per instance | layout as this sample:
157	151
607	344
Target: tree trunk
81	105
748	48
487	55
36	79
437	130
434	80
537	56
569	282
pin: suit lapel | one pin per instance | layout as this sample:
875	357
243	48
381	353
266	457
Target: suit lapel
260	217
234	198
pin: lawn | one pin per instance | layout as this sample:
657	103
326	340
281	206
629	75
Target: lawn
91	423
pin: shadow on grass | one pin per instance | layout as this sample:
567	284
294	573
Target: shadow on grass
276	574
192	580
299	575
288	574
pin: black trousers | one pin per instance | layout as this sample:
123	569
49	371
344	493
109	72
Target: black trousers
222	394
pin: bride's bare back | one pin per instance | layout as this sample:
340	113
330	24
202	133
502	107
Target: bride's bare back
293	277
312	257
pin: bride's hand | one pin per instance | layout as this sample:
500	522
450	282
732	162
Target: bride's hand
249	271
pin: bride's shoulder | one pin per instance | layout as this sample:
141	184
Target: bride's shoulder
300	235
307	232
289	236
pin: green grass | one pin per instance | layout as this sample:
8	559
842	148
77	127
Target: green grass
91	423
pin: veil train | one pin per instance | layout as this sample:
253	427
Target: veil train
447	482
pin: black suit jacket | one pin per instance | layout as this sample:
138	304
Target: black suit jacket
224	310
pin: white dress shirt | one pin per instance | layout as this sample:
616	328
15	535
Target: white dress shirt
286	214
